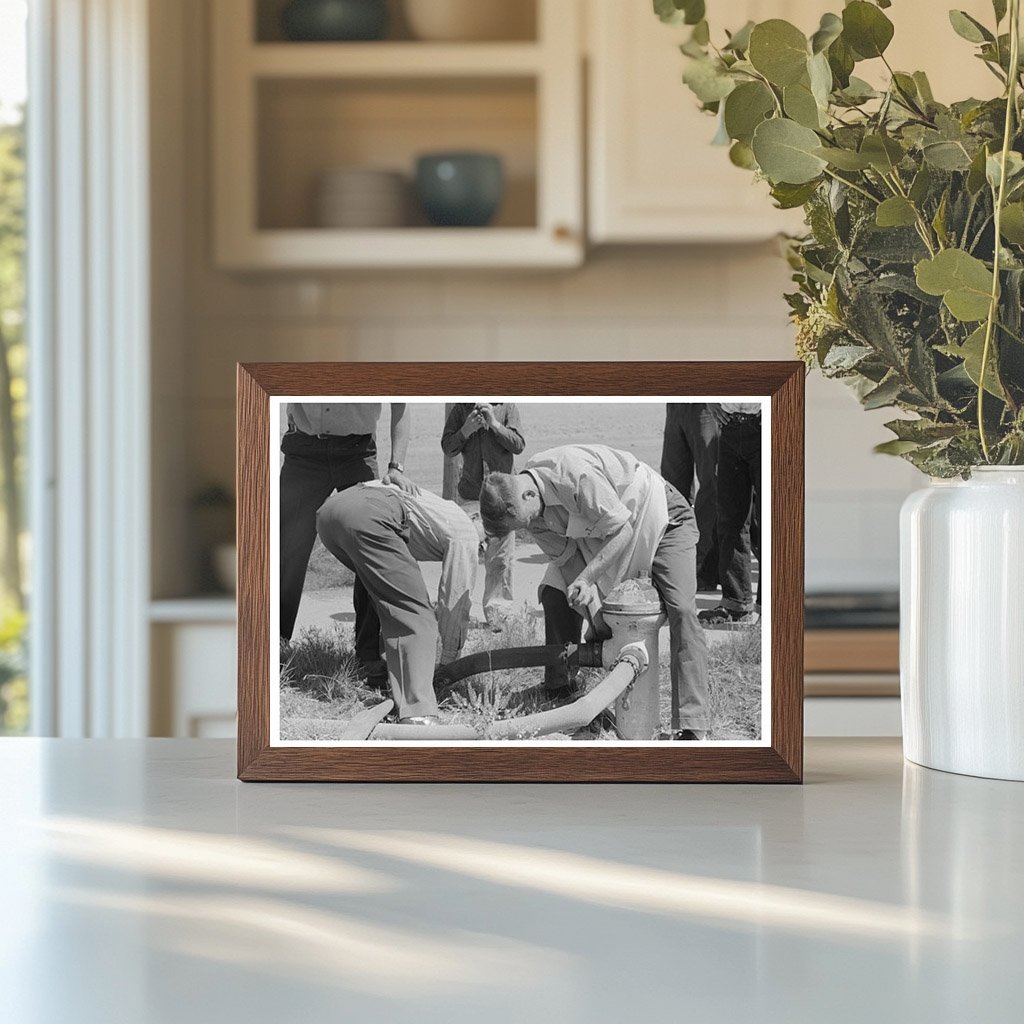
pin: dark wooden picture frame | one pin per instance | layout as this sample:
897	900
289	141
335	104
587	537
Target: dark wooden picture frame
781	760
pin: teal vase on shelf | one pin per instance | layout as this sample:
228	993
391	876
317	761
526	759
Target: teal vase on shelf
330	21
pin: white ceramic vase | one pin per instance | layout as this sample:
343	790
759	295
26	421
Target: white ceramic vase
962	624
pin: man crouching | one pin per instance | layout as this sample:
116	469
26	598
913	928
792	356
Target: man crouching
602	516
381	533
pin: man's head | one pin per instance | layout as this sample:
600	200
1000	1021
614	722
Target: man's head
508	501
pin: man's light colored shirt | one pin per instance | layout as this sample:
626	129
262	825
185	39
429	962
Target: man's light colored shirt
746	407
439	531
589	493
338	419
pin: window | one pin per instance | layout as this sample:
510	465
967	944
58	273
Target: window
14	549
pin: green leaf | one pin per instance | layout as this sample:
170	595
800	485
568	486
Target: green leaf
789	197
708	81
976	175
739	41
939	220
741	155
969	28
883	153
866	29
963	281
841	60
922	185
1014	169
885	394
829	31
676	12
844	159
778	50
971	352
701	33
896	212
800	105
1012	226
858	91
999	6
895	447
924	87
745	108
820	75
923	431
947	156
785	152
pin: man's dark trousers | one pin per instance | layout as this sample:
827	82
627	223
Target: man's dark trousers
314	468
689	456
739	499
367	529
674	574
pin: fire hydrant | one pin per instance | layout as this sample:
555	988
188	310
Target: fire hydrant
633	612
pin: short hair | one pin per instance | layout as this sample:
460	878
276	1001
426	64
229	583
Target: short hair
500	507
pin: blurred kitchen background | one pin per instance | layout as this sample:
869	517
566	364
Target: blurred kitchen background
290	217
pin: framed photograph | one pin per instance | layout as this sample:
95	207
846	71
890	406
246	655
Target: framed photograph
518	572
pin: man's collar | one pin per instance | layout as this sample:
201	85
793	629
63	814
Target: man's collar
540	489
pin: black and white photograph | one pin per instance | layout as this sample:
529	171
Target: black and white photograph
489	570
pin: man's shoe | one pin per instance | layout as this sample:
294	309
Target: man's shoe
690	734
722	618
420	720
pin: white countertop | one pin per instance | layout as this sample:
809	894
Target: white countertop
143	885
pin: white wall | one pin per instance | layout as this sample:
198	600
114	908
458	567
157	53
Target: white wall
665	303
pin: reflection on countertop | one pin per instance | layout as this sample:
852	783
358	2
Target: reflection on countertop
877	891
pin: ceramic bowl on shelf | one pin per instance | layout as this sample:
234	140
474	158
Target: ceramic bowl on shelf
361	198
460	189
470	20
332	21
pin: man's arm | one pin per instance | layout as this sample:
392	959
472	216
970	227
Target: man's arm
400	425
454	438
581	592
563	552
508	434
455	590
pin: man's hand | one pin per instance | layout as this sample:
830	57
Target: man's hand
582	595
474	422
401	481
486	413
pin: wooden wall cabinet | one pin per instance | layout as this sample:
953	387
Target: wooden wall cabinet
653	175
285	112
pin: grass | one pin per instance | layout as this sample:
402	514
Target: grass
319	681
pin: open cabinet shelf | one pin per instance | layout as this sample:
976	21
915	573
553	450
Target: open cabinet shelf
394	60
287	114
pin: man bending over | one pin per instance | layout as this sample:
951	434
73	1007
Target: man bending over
381	532
601	516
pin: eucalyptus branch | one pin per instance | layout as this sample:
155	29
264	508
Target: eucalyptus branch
853	185
981	231
1000	199
923	227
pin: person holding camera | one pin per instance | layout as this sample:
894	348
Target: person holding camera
488	436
